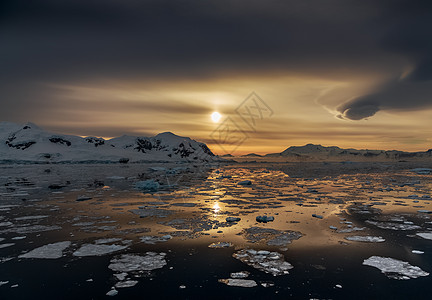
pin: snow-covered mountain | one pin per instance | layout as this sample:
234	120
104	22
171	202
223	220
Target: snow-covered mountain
30	143
311	152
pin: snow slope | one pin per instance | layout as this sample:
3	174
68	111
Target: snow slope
30	143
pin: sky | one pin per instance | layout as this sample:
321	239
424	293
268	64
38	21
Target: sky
356	74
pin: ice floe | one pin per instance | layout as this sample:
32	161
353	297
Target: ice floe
240	275
393	226
394	268
6	245
365	238
50	251
97	250
239	282
220	245
269	262
271	236
155	239
425	235
135	262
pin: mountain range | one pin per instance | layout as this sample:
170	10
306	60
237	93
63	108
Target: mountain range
313	152
30	143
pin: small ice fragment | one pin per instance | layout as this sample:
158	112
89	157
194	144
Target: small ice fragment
112	292
366	238
425	235
220	245
14	286
19	237
393	268
97	250
182	287
338	286
333	227
317	216
50	251
6	245
417	252
240	275
89	280
3	282
239	282
125	284
121	276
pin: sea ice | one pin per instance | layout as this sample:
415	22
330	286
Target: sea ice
220	245
30	218
6	245
272	263
365	238
135	262
393	226
393	268
417	252
425	235
50	251
125	284
107	241
97	250
240	275
112	292
239	282
155	239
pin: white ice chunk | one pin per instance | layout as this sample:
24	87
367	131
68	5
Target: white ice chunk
50	251
239	282
365	238
393	268
97	250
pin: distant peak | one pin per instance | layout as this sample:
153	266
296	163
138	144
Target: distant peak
30	125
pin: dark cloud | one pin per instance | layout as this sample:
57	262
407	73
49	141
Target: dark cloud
67	42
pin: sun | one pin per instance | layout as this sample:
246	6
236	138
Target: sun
216	117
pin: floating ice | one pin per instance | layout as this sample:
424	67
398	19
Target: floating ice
30	218
112	292
317	216
273	237
107	241
50	251
393	226
422	171
125	284
6	245
393	268
3	282
135	262
155	239
97	250
240	275
425	235
365	238
417	252
147	185
239	282
220	245
4	224
272	263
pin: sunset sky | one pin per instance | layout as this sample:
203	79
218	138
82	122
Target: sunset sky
356	74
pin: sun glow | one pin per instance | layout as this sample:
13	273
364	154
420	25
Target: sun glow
216	208
216	117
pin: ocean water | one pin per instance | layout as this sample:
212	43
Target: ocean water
317	209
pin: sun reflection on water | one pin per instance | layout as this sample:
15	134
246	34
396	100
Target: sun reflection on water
216	208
